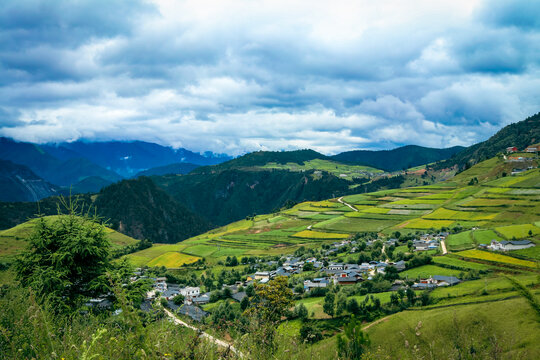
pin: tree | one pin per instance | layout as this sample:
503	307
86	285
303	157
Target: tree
353	307
302	312
66	259
355	341
308	267
244	303
394	299
310	333
178	299
410	295
341	303
273	299
329	303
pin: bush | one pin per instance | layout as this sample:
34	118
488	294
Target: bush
310	333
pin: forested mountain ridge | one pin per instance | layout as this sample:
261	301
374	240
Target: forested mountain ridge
397	159
233	194
520	134
137	208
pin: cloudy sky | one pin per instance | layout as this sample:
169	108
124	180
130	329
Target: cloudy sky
238	76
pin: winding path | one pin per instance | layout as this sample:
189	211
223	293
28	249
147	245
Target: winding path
205	335
443	247
347	204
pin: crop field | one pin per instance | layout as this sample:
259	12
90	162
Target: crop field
348	224
497	258
141	258
485	236
426	224
456	241
489	284
310	234
375	210
465	265
337	169
447	214
518	231
426	271
201	250
532	252
173	260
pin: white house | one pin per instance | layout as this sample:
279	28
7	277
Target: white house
336	267
510	245
190	291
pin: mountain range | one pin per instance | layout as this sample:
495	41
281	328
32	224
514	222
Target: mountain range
180	200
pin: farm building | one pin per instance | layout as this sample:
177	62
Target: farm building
510	245
511	149
532	148
315	283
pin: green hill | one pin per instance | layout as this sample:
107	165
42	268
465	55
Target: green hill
261	158
133	207
140	209
520	135
401	158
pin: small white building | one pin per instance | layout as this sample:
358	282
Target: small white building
190	291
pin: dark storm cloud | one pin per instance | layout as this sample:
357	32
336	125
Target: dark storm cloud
241	76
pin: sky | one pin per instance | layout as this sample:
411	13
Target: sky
239	76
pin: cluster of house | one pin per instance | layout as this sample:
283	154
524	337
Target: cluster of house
436	281
429	241
529	149
339	274
508	245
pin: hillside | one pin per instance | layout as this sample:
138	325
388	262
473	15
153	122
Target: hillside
401	158
520	135
13	240
176	168
18	182
481	197
231	195
140	209
133	207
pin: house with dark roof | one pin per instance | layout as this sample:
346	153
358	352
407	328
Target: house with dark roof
194	312
239	296
510	245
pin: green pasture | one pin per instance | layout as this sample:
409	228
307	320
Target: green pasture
518	231
462	264
426	271
512	322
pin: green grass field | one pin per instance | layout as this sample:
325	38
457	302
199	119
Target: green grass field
172	260
465	265
426	271
518	231
435	333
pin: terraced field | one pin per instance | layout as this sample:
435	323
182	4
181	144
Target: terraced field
498	208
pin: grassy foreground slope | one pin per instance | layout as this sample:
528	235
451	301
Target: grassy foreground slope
13	240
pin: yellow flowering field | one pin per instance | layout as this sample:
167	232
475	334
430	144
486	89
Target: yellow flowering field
489	256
